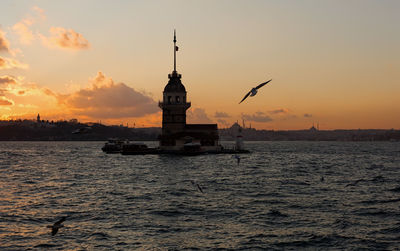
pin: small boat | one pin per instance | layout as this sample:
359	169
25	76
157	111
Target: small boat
113	146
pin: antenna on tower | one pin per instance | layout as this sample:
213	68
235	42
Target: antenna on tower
175	50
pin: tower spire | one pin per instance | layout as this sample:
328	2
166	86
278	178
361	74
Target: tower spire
175	49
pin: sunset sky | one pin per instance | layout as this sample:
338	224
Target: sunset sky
336	63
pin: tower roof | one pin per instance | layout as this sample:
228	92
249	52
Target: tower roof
174	83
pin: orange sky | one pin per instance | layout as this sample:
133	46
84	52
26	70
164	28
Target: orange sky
335	63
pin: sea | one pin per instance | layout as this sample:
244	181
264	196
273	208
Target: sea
281	196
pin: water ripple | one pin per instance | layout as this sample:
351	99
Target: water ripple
283	196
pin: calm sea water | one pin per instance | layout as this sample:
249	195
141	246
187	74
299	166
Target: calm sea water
284	195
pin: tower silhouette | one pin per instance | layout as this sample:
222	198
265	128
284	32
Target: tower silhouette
174	106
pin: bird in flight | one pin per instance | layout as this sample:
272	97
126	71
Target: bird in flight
253	91
56	226
198	186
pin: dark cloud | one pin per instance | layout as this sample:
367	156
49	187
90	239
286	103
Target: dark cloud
7	63
5	102
197	116
257	117
4	45
289	117
279	111
49	92
7	80
107	100
222	115
222	122
307	115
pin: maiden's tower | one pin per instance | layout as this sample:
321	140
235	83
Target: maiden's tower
176	134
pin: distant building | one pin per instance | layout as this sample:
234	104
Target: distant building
38	118
175	132
313	128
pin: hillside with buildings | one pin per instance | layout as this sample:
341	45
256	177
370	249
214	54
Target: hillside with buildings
312	134
73	130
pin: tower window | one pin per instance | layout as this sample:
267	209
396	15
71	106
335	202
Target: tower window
169	99
177	99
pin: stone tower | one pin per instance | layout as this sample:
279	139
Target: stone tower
174	106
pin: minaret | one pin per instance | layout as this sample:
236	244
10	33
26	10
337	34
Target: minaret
174	106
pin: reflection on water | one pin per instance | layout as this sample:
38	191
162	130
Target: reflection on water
284	195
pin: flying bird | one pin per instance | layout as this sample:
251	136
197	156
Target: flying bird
56	226
198	186
201	190
253	91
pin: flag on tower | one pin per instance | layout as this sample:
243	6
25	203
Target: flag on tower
176	48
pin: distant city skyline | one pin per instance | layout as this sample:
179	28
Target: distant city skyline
335	63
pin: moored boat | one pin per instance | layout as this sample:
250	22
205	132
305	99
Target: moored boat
113	146
136	148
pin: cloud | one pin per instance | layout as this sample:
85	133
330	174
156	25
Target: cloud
22	28
5	102
197	116
102	100
59	37
39	13
4	44
279	111
27	99
2	63
289	117
257	117
222	122
5	83
222	115
105	99
65	39
9	63
307	115
7	80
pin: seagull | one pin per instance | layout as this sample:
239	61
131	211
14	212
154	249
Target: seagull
198	186
355	182
56	226
201	190
238	159
253	91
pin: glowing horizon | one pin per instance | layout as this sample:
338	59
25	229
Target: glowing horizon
334	63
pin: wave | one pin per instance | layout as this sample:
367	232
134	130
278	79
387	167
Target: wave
276	213
396	189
